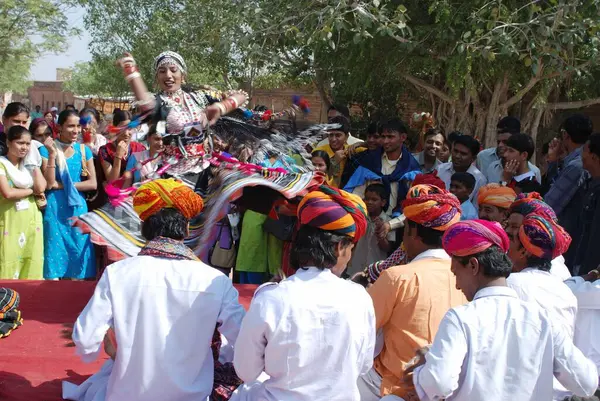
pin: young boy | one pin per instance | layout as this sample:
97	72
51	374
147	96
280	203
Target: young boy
519	150
370	248
461	185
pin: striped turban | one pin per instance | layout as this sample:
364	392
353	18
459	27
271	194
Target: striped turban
496	195
431	207
532	203
166	193
470	237
543	238
334	210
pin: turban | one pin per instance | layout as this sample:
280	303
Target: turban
543	238
166	193
169	58
470	237
532	203
496	195
334	210
431	207
430	179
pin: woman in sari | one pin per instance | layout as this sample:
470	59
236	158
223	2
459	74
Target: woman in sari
142	165
69	171
21	247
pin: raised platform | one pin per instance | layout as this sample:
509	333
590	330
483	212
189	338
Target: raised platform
35	357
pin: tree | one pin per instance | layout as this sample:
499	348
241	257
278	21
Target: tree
98	78
471	61
29	28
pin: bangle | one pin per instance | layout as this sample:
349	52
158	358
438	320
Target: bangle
230	104
234	101
129	69
221	107
133	76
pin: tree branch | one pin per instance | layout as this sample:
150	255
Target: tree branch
519	95
428	87
572	105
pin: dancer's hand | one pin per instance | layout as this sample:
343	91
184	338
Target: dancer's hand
126	61
213	113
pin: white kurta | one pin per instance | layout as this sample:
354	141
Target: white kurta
313	334
553	295
550	293
587	324
500	348
164	314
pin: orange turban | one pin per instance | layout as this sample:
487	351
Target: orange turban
166	193
332	209
431	206
496	195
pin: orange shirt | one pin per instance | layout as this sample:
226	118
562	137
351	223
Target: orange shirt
410	302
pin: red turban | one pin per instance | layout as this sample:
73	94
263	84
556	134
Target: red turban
429	179
332	209
543	238
431	207
470	237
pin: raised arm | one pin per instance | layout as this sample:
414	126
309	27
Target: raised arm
48	154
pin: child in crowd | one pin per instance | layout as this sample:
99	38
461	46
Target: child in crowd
371	248
322	162
461	185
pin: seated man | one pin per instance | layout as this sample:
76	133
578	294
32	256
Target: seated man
538	241
312	335
497	347
532	204
587	290
494	201
411	300
163	306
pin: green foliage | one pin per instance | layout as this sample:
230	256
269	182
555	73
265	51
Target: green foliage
27	29
97	78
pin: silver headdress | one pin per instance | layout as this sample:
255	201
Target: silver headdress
169	58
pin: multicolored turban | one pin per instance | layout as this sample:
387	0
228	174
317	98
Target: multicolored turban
532	203
543	238
169	58
470	237
431	207
334	210
430	179
496	195
166	193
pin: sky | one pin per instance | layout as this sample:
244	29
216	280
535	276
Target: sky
45	68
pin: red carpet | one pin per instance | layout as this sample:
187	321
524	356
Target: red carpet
35	357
